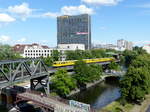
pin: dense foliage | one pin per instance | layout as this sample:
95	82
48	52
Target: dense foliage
129	55
55	55
48	61
6	52
136	82
87	54
86	73
63	82
113	66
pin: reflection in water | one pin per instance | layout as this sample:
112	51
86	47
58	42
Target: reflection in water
99	95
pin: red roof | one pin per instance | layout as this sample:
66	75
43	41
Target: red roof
20	47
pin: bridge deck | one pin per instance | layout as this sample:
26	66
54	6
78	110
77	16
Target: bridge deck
48	102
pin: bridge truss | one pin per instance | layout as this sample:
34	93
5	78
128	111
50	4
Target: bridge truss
15	71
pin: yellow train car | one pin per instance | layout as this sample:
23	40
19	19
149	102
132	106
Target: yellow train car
72	62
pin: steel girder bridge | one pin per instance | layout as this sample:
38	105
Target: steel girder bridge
16	71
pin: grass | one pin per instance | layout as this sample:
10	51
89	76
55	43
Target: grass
117	107
53	94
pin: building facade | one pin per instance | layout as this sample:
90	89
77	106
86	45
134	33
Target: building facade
123	45
74	30
71	46
147	48
36	50
106	46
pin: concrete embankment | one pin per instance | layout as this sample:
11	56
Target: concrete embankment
87	86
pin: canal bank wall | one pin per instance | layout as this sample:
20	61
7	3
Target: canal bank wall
105	75
87	86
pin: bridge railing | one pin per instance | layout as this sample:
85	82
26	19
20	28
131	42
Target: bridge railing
55	98
52	97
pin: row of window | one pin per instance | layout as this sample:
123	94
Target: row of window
38	50
41	51
37	54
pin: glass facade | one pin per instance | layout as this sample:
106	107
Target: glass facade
74	30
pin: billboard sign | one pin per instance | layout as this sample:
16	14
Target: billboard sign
84	106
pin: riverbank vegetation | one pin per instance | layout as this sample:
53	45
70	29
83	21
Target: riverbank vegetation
63	83
114	66
87	54
116	106
135	85
6	53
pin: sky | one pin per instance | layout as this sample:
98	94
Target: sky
34	21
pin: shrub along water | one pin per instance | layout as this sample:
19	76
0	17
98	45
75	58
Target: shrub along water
63	83
136	83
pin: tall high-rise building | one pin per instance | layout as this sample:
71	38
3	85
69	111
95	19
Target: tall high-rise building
74	30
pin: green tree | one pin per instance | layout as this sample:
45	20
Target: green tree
129	56
98	53
113	66
86	73
6	52
135	84
56	55
139	50
48	61
81	70
95	72
63	83
87	54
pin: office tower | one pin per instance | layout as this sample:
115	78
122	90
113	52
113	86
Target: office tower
74	30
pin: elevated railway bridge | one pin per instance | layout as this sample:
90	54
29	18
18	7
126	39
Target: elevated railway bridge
33	70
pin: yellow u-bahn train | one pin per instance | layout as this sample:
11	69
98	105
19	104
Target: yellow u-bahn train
72	62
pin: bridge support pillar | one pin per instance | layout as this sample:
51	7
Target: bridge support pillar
3	99
9	101
31	84
0	99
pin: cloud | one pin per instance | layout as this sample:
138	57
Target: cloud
5	18
50	14
22	40
72	10
69	10
4	39
102	2
21	10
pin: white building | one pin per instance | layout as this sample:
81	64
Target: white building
147	48
36	50
123	45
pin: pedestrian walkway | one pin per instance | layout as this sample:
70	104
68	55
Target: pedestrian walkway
50	103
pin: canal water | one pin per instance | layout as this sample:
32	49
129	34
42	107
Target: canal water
99	95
